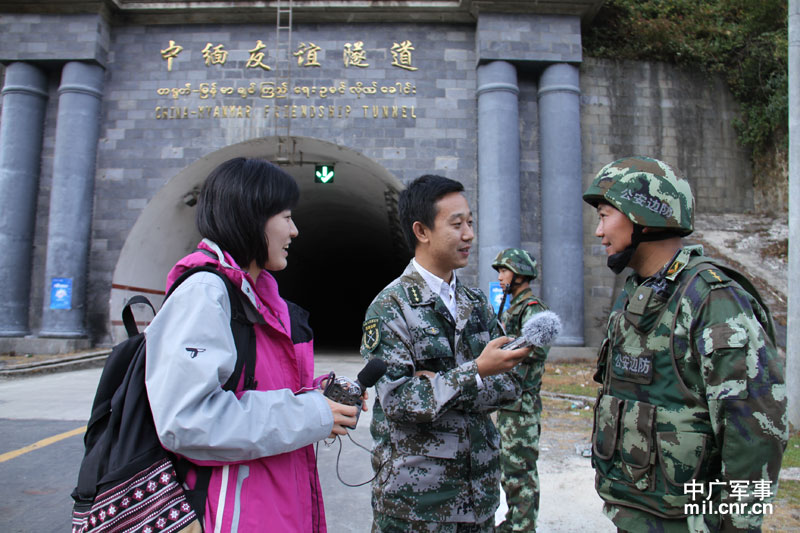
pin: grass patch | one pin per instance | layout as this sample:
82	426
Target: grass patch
578	390
779	249
786	503
791	457
553	407
570	378
789	493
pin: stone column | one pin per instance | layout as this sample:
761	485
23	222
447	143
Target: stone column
562	227
77	133
498	165
21	130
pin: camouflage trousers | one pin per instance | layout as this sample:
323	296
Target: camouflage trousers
519	432
382	523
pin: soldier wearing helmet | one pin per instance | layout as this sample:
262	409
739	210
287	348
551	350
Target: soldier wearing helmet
693	392
519	423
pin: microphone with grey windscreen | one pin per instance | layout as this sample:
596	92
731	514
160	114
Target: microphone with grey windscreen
540	330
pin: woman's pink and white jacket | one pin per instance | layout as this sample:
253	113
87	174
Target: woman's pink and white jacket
258	441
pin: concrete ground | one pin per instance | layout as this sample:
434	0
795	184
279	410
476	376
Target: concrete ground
568	501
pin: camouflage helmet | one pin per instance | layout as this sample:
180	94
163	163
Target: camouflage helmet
517	261
650	192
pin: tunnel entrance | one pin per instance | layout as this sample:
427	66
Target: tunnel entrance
349	247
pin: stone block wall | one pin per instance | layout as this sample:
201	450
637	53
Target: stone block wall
529	179
151	133
526	38
682	117
80	37
155	125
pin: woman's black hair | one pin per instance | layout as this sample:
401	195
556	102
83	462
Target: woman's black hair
418	203
237	199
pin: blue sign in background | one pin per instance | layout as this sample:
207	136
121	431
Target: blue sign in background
496	296
61	293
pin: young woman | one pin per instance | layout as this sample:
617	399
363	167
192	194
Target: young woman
258	442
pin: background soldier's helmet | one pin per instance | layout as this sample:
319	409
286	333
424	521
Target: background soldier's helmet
517	261
650	192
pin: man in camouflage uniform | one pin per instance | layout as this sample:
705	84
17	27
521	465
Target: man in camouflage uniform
436	448
519	422
692	409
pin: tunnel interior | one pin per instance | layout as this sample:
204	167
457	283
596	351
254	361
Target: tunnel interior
349	247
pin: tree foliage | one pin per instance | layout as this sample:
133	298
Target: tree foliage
745	41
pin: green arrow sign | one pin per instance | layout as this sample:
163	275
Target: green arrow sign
323	174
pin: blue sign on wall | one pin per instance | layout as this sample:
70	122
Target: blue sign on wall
496	296
61	293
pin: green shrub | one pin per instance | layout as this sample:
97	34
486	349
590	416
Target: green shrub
746	41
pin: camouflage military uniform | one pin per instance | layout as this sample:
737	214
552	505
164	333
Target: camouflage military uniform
519	424
692	392
436	448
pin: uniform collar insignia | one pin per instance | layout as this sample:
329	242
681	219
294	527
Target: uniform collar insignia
416	288
679	262
414	295
674	268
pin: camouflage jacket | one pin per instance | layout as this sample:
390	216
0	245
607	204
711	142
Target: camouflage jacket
693	393
523	306
436	448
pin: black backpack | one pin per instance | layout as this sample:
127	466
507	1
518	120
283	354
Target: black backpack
127	480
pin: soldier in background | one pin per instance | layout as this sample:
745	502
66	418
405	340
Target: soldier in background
692	410
436	448
519	422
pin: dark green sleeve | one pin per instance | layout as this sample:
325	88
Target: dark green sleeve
539	353
743	376
404	396
500	389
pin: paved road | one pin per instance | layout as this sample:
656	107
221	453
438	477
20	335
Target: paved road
34	495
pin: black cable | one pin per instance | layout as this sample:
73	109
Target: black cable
349	436
339	454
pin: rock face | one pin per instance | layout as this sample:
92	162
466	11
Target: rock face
756	244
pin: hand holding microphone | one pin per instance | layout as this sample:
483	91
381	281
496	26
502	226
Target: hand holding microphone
540	330
503	354
347	392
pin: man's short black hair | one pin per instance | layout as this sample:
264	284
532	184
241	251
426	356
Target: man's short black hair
237	199
418	203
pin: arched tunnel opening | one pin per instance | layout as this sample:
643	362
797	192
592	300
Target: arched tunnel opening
349	245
